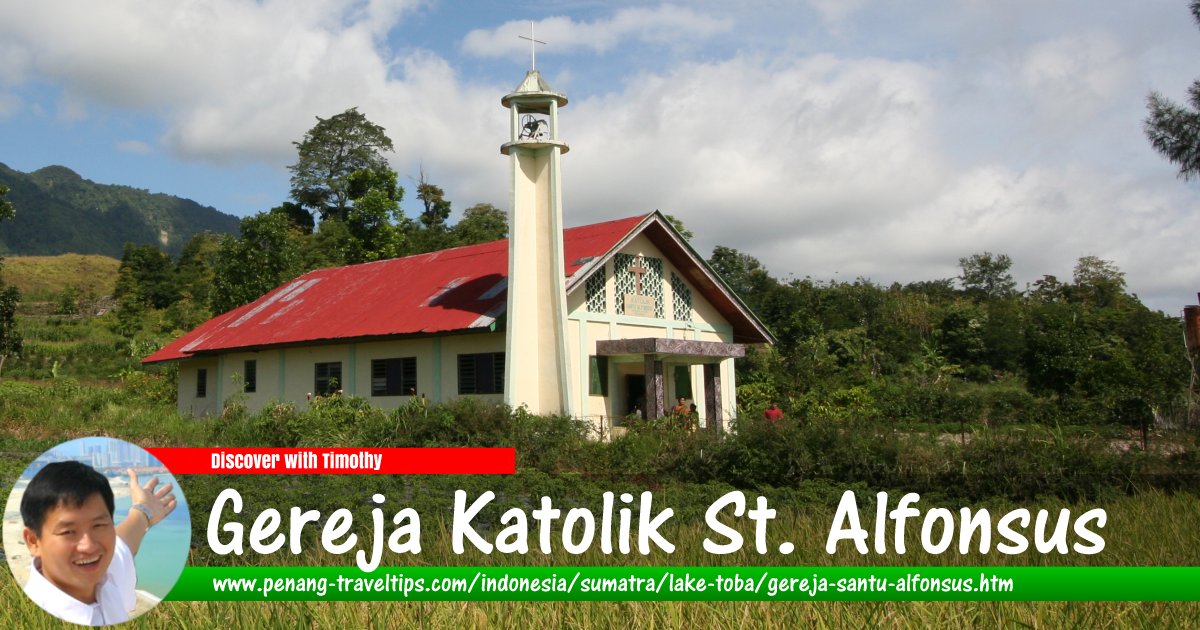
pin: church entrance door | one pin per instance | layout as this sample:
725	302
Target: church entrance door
635	394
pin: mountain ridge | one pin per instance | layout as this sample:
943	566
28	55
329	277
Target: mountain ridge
60	212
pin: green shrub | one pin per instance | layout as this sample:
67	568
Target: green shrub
156	387
1012	406
1027	465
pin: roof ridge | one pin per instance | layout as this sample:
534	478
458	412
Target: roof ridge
463	247
356	301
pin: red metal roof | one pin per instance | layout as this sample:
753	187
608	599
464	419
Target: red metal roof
452	289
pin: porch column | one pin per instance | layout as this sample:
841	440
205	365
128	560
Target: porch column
655	391
712	397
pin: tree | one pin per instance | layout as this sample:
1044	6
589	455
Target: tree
1048	289
194	279
1162	371
432	233
1004	334
985	276
6	208
1098	282
481	223
937	291
677	223
742	272
1174	130
267	255
10	337
301	218
960	334
333	150
1055	348
367	233
194	272
369	222
147	276
436	207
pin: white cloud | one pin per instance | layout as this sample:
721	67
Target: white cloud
835	12
10	104
836	167
815	144
851	163
235	79
1048	217
663	25
71	108
134	146
1070	79
14	64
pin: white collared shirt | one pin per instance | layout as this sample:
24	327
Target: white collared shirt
115	597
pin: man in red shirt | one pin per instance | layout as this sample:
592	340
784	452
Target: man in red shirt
773	414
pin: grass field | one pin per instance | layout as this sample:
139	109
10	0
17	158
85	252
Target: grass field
1152	528
17	612
43	278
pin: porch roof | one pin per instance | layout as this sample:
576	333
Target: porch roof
692	349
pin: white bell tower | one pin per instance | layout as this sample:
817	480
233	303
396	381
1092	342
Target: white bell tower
535	373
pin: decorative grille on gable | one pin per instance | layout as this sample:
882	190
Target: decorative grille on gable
681	298
597	301
652	284
625	280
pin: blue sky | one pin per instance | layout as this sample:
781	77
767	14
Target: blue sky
828	138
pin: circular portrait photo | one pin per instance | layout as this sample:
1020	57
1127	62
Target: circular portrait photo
96	531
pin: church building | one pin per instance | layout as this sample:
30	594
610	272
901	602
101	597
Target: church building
597	322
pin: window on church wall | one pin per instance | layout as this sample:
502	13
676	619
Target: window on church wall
250	376
598	376
394	377
597	301
327	378
681	299
481	373
642	277
201	383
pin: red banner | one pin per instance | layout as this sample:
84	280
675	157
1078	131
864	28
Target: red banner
337	461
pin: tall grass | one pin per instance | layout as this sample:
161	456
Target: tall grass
85	349
686	472
17	612
36	416
1151	528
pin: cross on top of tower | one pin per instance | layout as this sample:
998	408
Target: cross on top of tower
533	42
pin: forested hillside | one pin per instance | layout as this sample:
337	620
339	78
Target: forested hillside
61	212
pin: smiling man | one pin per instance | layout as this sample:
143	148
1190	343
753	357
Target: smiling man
83	569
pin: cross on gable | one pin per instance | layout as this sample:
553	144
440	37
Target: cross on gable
637	269
533	42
